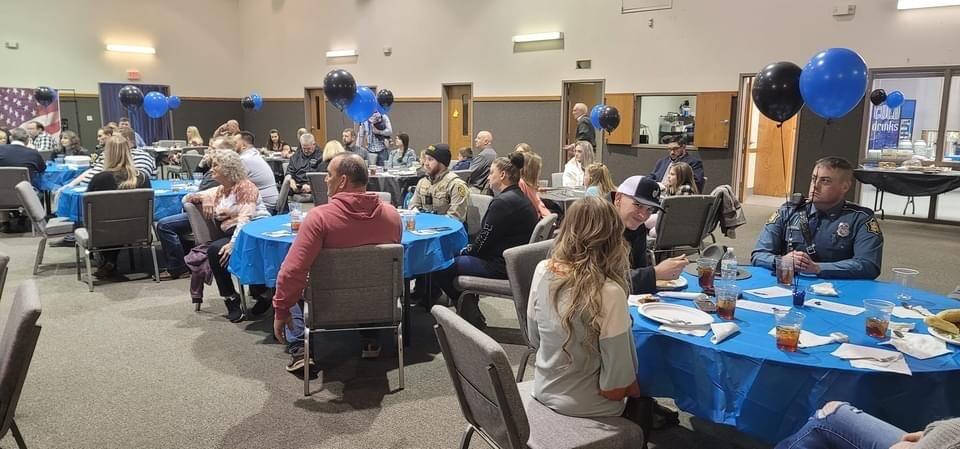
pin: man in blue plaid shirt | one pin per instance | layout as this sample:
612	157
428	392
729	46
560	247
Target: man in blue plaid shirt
40	140
375	135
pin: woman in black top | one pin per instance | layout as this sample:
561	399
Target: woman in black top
509	222
70	145
118	174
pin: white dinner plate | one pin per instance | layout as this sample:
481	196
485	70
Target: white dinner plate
676	284
943	336
674	314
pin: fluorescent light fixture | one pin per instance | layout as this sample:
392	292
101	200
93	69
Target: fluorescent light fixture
131	49
538	37
341	53
917	4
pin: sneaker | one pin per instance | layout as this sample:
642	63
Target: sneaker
170	275
106	270
261	307
296	360
234	312
370	351
66	242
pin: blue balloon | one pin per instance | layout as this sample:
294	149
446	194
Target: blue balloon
173	102
833	82
595	115
257	101
363	105
894	99
155	104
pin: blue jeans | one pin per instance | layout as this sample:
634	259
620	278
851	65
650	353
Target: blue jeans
295	336
170	232
845	428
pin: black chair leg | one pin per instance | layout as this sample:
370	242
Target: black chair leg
17	436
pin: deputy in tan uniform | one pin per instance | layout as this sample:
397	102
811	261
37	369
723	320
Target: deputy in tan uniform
441	192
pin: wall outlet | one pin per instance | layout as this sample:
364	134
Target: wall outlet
89	118
846	9
12	45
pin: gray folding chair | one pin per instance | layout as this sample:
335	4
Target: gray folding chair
9	178
20	335
114	220
682	223
56	226
713	220
386	197
337	299
190	150
521	263
318	186
282	198
504	413
475	212
189	163
463	174
4	262
543	229
556	180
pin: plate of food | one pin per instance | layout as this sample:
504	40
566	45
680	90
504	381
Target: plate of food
675	284
674	314
944	326
638	300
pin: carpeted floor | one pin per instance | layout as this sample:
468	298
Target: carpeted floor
131	365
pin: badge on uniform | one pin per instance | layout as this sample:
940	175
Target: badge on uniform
843	230
873	227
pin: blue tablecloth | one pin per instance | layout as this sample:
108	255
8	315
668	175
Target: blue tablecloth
257	257
747	383
166	201
57	175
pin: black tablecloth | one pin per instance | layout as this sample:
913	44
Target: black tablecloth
906	183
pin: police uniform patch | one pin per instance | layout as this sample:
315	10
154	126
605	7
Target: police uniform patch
774	217
873	227
843	230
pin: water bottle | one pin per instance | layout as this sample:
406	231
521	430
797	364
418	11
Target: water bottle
728	267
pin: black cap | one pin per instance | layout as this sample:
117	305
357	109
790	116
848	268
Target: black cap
440	152
642	189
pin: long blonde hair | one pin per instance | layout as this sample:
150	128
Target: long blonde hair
117	158
531	167
587	149
331	149
684	177
589	251
193	134
599	176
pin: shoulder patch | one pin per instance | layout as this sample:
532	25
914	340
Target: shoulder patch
774	217
873	226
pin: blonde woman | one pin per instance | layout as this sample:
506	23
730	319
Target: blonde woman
578	316
193	137
529	177
680	180
231	205
331	149
118	174
598	181
573	171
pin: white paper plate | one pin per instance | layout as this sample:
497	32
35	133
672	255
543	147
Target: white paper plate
667	313
676	284
942	336
635	300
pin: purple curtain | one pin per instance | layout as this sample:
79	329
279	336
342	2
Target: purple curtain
151	129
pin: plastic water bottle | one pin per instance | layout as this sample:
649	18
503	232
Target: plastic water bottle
728	267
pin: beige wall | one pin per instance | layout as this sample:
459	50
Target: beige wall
62	44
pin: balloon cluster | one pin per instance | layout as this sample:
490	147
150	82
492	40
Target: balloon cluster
44	95
880	96
358	102
155	104
252	102
604	117
831	84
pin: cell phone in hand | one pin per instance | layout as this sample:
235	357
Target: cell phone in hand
706	305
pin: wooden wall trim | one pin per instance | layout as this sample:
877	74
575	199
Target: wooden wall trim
416	100
518	98
62	94
210	99
285	99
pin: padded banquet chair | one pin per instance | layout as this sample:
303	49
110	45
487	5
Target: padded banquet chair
56	226
115	220
337	299
543	229
20	335
504	413
521	263
683	222
475	212
318	185
9	178
284	196
386	197
4	262
189	163
463	174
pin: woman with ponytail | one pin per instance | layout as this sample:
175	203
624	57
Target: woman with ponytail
509	222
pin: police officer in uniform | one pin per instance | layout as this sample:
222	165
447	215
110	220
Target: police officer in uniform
441	191
826	235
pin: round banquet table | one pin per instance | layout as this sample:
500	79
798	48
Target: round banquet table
57	175
257	256
166	201
747	383
395	182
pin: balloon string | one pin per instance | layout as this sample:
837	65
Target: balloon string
783	161
823	132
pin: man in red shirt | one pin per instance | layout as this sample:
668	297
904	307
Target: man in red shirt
352	217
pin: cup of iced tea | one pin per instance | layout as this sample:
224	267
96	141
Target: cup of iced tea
877	317
727	301
789	324
409	220
784	267
296	216
706	269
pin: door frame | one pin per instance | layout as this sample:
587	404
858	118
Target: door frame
306	110
444	135
565	111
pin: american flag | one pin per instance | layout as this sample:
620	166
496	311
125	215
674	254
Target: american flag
18	107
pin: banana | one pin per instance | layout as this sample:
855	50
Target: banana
951	315
941	324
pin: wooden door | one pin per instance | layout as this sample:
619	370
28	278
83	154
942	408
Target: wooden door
774	172
316	115
712	125
459	130
589	94
624	103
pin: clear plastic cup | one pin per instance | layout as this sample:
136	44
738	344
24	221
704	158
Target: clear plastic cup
785	270
904	279
877	317
789	325
727	301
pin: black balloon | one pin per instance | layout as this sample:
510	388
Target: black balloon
248	103
609	118
131	96
878	96
776	91
44	95
339	87
385	98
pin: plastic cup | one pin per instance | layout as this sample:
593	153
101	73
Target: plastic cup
409	221
727	301
784	266
789	325
296	216
877	317
904	279
706	270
